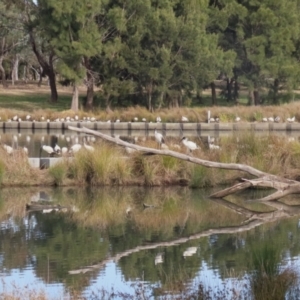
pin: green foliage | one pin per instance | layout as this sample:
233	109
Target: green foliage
58	173
200	177
2	170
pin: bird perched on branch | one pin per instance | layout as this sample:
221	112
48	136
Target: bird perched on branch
189	144
159	138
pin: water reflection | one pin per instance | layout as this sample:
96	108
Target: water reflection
171	243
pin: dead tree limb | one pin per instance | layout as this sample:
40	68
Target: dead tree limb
282	185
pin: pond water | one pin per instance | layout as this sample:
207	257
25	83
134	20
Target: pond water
143	243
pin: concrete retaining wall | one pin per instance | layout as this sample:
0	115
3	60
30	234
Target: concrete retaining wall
129	126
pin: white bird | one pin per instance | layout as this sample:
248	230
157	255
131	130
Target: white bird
88	147
190	251
130	150
76	118
64	150
184	119
213	146
159	138
277	119
8	149
291	120
271	119
189	144
47	149
144	120
28	117
158	119
135	119
237	119
159	259
15	118
118	121
25	149
212	120
265	119
57	149
75	148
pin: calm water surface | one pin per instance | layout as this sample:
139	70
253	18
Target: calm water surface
158	241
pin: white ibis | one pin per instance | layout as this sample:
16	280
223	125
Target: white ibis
64	150
57	149
159	138
291	120
75	148
184	119
158	119
237	119
47	149
88	147
8	149
189	144
144	120
277	119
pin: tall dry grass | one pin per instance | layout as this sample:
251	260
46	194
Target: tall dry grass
109	164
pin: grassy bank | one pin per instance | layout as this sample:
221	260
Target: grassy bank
111	165
28	98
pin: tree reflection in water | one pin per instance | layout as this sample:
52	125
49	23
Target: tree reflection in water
74	247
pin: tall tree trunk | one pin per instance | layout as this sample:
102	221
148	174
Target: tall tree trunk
229	83
15	69
213	93
251	97
4	83
275	91
74	105
47	67
256	97
89	84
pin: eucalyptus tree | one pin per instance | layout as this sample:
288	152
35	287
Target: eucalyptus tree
263	35
12	38
71	30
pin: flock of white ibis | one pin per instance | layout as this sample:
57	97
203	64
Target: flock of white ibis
29	118
67	150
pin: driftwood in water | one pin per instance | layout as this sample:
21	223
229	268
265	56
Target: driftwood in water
282	185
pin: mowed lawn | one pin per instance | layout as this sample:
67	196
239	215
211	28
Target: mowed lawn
30	97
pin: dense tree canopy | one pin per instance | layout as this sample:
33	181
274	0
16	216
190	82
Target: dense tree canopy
159	53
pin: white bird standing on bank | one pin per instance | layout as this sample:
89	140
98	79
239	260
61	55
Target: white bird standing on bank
47	149
291	120
8	149
184	119
237	119
75	148
88	147
57	149
158	119
189	144
159	138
